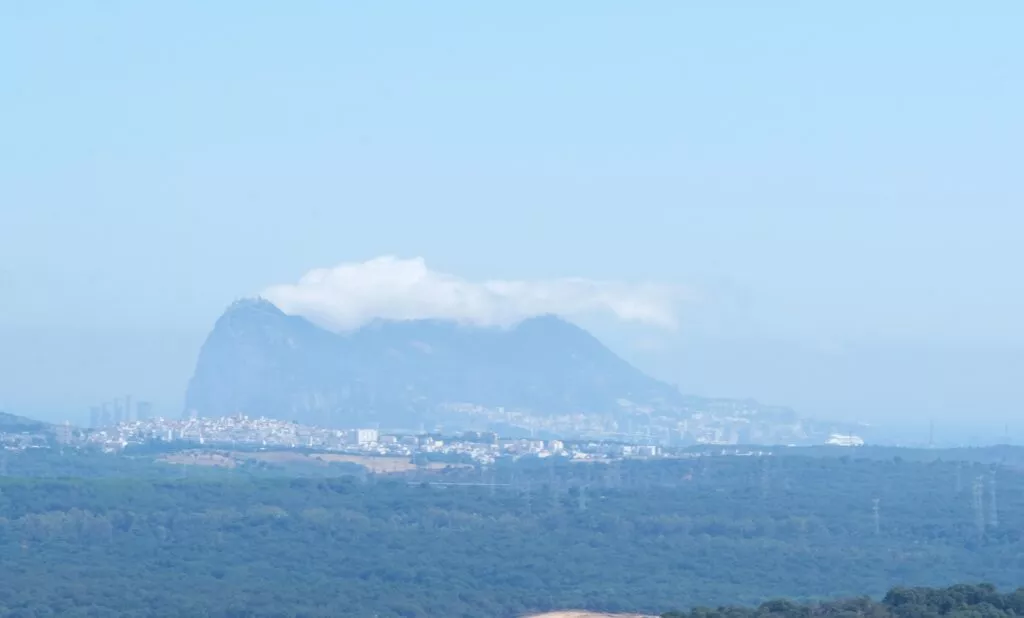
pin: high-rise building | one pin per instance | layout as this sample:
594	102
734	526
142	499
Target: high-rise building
118	412
63	433
143	410
95	416
127	409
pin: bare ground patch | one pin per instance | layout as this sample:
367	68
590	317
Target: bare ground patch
374	464
201	459
377	464
582	614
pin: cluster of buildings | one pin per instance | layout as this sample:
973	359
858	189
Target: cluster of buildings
485	449
117	411
230	430
702	421
240	431
243	431
20	441
33	435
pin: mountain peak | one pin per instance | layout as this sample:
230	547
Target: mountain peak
551	324
545	319
254	304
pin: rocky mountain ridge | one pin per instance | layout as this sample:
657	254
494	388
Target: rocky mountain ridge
260	361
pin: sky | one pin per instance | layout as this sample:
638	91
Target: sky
819	201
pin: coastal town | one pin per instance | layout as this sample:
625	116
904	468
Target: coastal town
241	431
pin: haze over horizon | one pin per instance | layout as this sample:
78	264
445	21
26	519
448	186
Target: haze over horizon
781	213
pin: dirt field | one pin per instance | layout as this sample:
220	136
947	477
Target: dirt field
384	465
373	464
201	459
581	614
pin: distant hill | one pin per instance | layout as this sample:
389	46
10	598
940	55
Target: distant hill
260	361
12	423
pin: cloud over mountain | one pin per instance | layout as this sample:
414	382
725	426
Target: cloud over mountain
351	294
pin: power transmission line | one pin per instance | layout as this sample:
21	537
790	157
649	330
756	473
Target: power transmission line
878	521
977	505
993	514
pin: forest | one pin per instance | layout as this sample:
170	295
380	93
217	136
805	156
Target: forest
134	538
959	601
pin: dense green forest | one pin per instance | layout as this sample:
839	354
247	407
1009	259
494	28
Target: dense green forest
144	463
960	601
535	535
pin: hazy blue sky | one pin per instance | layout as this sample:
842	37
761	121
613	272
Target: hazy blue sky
841	183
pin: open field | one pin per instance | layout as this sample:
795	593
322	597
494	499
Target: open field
201	459
230	459
582	614
373	464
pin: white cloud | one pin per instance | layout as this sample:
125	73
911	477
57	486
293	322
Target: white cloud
349	295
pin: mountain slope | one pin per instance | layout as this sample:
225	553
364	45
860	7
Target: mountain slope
259	361
12	423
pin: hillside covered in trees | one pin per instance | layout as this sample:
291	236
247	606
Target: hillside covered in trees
636	536
959	601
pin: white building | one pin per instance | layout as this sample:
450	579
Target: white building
364	436
837	439
647	450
